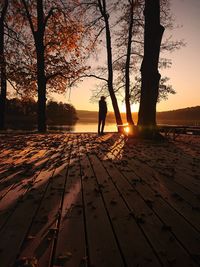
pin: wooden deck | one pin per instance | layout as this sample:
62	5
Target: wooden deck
173	131
84	200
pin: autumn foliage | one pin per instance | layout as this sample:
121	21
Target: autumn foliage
65	49
46	48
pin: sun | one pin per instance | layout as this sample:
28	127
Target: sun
127	130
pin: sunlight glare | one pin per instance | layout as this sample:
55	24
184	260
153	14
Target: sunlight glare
126	129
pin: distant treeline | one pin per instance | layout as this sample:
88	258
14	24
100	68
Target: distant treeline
86	116
22	113
192	113
185	116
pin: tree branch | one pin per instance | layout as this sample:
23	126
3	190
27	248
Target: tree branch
4	10
99	33
49	15
51	76
94	76
88	76
28	16
14	87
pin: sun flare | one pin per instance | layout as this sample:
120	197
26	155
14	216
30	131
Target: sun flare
127	129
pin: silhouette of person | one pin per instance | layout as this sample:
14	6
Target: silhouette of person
102	114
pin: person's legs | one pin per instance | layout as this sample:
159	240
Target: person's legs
103	124
99	125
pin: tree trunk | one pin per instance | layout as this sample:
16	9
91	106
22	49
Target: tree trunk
41	83
110	76
127	68
2	68
41	77
149	70
103	11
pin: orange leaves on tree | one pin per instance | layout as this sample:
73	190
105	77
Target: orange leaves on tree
64	41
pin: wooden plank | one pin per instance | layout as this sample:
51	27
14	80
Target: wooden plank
180	198
185	234
179	172
166	246
133	243
12	196
15	231
71	244
44	226
182	230
162	157
183	196
97	194
14	187
102	246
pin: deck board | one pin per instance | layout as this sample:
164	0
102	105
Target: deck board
165	245
87	200
70	249
133	243
103	249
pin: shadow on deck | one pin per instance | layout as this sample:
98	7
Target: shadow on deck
83	200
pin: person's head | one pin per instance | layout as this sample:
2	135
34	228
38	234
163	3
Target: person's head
103	97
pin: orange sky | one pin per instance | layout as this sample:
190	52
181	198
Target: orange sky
184	73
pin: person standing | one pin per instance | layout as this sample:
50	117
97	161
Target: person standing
102	114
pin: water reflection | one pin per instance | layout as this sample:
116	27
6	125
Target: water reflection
66	128
82	127
92	127
77	128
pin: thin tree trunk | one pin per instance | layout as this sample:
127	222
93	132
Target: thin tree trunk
2	68
40	52
109	62
41	82
127	68
41	77
110	76
149	69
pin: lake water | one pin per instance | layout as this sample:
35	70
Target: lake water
80	128
83	127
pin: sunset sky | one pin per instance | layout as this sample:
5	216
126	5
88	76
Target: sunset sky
184	73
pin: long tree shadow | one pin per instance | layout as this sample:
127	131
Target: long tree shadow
23	172
33	194
165	176
47	216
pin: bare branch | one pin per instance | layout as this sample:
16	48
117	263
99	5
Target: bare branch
88	76
97	36
94	76
29	16
14	87
4	10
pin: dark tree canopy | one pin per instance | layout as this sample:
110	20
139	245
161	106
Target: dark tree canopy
46	49
22	113
61	113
